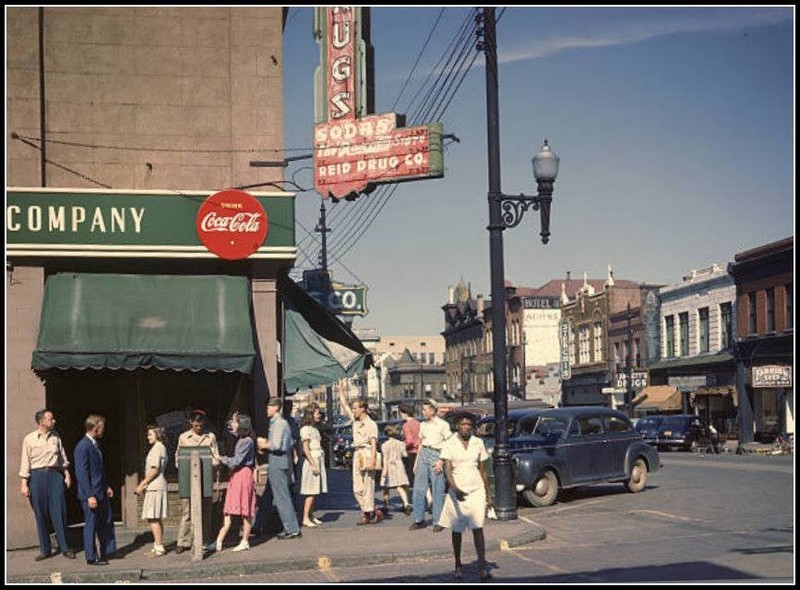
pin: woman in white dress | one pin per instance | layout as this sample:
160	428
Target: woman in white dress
154	487
465	506
313	478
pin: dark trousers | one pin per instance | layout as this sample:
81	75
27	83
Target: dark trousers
409	465
98	522
49	505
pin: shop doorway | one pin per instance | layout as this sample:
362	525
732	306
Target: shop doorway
130	400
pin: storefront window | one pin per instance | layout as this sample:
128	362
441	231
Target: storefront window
702	316
770	310
683	318
669	329
726	325
751	304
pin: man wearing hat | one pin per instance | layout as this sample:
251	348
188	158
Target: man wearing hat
280	446
196	436
429	469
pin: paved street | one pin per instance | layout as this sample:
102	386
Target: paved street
703	518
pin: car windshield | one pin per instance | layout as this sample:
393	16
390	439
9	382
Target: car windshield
550	426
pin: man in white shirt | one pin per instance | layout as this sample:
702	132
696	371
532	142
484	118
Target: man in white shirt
429	469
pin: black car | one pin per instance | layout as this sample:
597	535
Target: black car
684	431
582	445
519	425
647	427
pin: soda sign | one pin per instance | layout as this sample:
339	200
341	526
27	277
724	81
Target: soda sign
354	150
232	224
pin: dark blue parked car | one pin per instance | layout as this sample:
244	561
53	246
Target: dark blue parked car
582	445
684	431
647	427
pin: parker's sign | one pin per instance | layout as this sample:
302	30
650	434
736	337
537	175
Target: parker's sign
772	376
353	149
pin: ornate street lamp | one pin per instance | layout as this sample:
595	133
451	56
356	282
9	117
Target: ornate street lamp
505	211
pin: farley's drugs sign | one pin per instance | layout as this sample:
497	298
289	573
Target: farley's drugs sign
108	223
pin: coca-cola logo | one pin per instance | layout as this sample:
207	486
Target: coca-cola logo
232	224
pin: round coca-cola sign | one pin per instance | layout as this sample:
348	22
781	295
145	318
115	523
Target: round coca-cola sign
232	224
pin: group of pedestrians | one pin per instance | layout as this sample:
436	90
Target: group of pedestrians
447	470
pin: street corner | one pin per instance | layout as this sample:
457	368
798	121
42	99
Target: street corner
506	535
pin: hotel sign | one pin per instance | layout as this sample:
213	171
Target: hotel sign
772	376
99	223
353	149
540	303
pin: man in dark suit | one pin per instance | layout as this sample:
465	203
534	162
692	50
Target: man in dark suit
94	494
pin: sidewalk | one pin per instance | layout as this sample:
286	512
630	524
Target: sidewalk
338	542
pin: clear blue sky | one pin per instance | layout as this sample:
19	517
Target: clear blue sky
675	128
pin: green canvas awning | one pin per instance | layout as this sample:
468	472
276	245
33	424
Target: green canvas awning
319	348
115	321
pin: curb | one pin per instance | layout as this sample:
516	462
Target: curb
212	570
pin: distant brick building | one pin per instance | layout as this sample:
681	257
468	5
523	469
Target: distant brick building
764	278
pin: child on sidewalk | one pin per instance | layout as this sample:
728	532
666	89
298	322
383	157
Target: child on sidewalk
393	474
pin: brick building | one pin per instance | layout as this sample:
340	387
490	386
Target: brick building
764	348
156	108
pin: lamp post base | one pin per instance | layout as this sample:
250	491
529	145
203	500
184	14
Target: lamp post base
505	493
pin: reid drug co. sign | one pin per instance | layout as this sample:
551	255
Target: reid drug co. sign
354	149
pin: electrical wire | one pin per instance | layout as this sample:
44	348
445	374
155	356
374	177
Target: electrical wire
376	202
419	56
456	57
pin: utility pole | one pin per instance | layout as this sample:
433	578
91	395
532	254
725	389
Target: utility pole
324	230
323	260
629	367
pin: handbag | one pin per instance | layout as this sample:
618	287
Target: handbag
378	462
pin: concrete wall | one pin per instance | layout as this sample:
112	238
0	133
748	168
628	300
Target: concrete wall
187	90
25	393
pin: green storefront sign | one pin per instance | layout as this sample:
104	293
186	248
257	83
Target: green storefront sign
106	223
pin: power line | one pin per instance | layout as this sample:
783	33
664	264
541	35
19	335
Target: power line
156	149
368	213
421	51
56	164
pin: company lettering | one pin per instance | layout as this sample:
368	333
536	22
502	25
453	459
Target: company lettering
62	219
240	222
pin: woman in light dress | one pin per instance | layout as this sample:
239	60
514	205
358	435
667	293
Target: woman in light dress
154	487
313	478
465	506
393	474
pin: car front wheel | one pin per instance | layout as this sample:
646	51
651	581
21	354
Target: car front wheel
544	490
638	478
